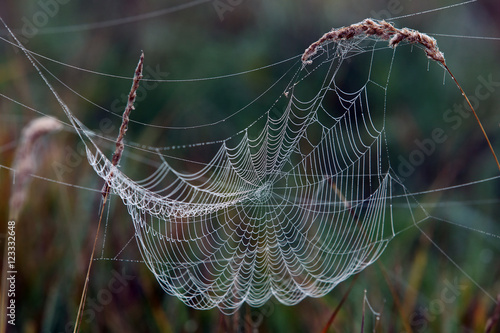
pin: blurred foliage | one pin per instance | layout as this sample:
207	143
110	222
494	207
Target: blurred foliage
411	284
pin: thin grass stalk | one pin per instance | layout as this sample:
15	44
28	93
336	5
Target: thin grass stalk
495	317
106	189
363	316
339	306
395	297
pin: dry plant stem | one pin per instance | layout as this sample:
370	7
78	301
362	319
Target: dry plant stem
387	31
337	309
125	119
495	317
105	193
363	317
475	115
395	297
342	197
222	327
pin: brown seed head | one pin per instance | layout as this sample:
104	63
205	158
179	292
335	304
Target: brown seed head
382	30
25	163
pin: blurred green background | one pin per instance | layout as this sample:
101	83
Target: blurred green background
413	285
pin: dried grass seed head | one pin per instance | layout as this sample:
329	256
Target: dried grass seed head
381	29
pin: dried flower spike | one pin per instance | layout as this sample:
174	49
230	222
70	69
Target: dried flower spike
25	162
381	29
125	119
105	191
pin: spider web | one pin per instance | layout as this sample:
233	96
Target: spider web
289	206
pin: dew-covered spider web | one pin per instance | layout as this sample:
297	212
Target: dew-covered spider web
287	205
